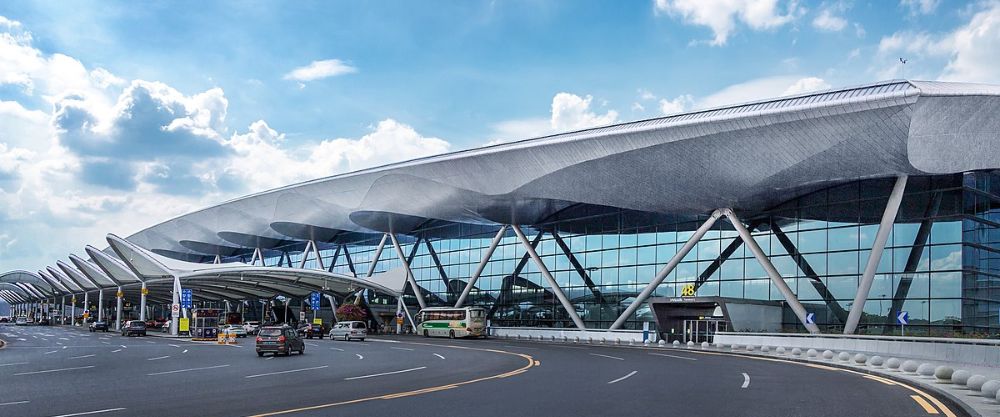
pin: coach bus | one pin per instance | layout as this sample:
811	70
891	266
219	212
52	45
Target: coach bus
452	322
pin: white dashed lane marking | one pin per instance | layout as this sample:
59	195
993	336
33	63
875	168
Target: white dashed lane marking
746	380
629	375
608	356
442	357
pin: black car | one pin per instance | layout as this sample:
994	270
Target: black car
281	340
134	327
310	330
99	325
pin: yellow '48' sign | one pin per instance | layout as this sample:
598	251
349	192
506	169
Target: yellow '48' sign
687	290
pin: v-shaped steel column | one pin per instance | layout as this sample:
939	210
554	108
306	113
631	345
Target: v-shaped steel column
556	289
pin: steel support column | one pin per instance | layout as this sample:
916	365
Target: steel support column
806	268
772	273
86	306
884	227
667	269
100	304
409	273
578	267
482	265
333	262
377	255
556	289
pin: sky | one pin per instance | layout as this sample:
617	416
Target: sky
115	116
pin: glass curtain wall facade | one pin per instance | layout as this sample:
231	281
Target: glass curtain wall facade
941	263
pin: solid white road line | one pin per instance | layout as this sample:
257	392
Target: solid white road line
176	346
187	370
608	356
86	413
384	373
399	348
359	356
84	356
442	357
116	351
673	356
158	358
337	349
13	364
14	403
624	377
54	370
312	344
269	358
746	380
287	372
185	351
50	352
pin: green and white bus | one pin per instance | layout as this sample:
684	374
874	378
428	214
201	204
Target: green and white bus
452	322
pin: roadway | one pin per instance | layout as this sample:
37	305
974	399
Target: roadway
63	371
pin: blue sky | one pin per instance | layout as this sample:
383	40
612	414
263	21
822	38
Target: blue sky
117	115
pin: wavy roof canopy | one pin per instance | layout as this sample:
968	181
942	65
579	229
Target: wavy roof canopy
748	156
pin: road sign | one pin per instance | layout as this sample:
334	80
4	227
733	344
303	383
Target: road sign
145	291
811	318
903	318
175	310
318	321
73	300
399	314
184	325
119	294
688	290
302	316
187	299
314	300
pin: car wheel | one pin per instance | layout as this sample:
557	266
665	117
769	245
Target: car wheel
260	354
362	339
451	334
347	338
426	334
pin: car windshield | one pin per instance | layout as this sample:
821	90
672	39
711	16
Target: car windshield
137	324
270	332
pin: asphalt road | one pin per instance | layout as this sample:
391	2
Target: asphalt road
62	371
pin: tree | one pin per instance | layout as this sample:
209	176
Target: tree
351	312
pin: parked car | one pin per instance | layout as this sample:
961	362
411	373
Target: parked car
233	328
281	340
134	327
98	325
252	327
348	330
44	321
21	321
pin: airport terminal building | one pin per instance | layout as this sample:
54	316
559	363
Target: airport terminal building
835	212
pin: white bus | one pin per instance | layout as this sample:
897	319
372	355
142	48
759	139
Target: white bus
452	322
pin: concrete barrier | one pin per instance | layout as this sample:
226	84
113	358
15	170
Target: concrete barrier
981	352
990	388
960	377
876	361
910	366
796	352
893	364
860	359
705	345
780	350
925	369
943	373
844	356
811	353
976	382
828	354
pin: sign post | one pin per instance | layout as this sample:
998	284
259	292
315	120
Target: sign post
903	318
314	303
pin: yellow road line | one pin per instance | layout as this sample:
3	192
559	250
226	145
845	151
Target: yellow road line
530	363
923	403
882	380
947	411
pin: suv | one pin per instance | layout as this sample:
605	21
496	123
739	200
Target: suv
279	340
134	327
349	330
311	330
98	325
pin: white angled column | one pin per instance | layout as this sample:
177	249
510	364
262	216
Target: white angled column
100	305
556	289
409	273
772	273
86	306
884	227
482	265
377	255
667	269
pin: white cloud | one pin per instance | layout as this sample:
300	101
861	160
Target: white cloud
760	88
828	21
569	112
920	6
859	30
645	95
637	107
320	69
572	112
970	52
805	85
722	15
677	105
84	152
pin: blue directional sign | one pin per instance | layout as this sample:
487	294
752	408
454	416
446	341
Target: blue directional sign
903	318
187	299
314	300
811	318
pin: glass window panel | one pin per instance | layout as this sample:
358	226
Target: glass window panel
709	249
812	241
664	253
752	268
845	238
946	257
646	255
806	290
732	289
946	312
817	261
687	271
882	286
757	289
709	289
842	263
946	284
732	269
842	288
946	232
